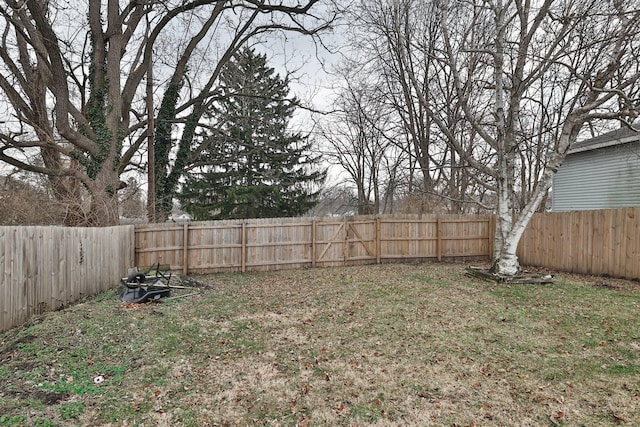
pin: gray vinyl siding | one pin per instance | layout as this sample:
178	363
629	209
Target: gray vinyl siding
605	178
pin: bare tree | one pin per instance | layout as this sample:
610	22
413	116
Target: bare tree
73	83
400	41
360	139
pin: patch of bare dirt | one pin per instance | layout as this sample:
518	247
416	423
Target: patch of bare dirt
43	396
7	353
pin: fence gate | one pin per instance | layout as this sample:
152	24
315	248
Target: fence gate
338	243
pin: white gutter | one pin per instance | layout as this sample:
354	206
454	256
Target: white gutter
604	144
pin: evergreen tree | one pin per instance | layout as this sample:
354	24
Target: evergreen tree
253	167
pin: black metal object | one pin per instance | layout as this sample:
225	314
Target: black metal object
150	285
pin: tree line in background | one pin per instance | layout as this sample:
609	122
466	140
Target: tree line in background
443	105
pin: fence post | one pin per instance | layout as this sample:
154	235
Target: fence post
439	239
185	249
131	247
345	243
378	244
313	244
243	249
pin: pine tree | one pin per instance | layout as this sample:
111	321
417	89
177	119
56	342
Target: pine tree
253	167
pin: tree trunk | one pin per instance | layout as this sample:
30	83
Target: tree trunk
103	207
505	259
508	232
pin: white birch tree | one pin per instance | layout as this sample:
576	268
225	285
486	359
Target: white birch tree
581	55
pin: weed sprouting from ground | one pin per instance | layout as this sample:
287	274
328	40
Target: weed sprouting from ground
376	345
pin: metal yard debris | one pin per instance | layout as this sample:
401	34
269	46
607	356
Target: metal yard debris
523	278
151	284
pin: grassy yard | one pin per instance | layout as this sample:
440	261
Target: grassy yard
379	345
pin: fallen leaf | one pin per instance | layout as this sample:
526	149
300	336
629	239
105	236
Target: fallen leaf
619	419
340	408
556	417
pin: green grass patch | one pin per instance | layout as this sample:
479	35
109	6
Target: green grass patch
12	420
627	370
71	410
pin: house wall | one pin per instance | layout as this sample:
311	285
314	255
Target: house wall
606	178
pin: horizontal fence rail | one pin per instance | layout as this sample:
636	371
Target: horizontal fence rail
44	268
599	242
287	243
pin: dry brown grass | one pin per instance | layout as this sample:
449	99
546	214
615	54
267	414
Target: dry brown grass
385	345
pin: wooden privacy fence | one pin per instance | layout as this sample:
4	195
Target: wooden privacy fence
269	244
43	268
601	242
